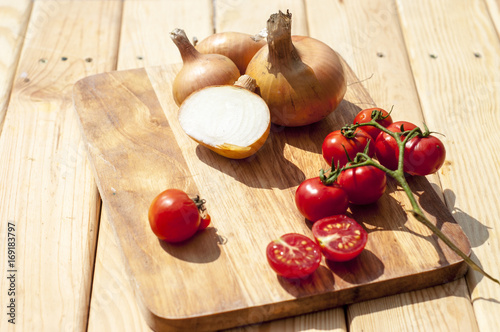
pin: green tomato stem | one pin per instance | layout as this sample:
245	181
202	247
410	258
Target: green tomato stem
398	175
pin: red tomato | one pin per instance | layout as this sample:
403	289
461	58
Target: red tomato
293	256
316	200
173	216
334	143
386	148
423	155
340	238
365	116
363	184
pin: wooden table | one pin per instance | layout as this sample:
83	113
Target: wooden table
434	61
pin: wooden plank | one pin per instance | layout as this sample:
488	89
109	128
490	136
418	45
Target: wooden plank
251	16
14	17
369	36
494	12
47	189
457	73
143	42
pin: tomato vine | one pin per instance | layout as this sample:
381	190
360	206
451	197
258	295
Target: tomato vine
363	159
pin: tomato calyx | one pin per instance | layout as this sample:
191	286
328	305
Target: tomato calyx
361	159
205	217
348	131
200	203
378	115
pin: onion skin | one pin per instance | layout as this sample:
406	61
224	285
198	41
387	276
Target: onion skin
199	70
237	152
237	46
301	79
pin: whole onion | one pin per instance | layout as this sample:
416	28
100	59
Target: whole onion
199	70
300	78
237	46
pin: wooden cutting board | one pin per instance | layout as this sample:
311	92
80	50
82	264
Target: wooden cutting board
220	278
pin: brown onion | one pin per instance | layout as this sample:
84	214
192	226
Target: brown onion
199	70
300	78
237	46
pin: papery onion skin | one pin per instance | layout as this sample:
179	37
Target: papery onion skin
237	46
301	78
199	70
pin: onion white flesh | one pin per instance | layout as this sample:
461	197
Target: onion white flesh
229	120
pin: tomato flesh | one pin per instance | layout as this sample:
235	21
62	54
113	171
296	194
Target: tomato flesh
293	256
340	238
173	216
315	200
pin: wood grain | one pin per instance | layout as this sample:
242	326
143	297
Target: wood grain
119	112
460	96
14	18
47	187
144	41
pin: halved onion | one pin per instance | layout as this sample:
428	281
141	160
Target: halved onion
228	119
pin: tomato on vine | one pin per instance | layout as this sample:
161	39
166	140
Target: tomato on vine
340	144
340	238
363	184
174	217
386	147
293	256
316	200
381	116
424	154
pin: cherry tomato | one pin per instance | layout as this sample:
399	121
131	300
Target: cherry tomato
334	143
340	238
316	200
173	216
365	116
293	256
363	184
386	148
423	155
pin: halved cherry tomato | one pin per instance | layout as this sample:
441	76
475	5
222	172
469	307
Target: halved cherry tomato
363	184
315	200
174	217
340	238
293	256
336	144
365	116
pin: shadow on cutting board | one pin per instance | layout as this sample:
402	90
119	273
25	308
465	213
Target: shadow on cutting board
278	163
